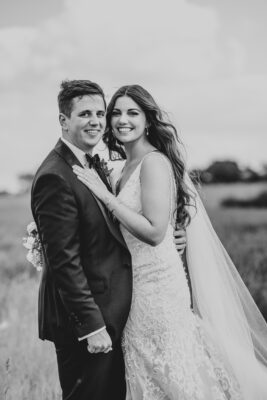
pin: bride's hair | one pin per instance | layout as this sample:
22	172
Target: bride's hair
161	134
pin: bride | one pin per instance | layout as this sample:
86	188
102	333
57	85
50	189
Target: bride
218	350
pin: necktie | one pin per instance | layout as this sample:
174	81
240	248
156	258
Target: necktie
94	162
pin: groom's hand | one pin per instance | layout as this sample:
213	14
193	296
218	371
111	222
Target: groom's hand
99	343
180	240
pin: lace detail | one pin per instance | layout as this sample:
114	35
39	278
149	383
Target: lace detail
168	355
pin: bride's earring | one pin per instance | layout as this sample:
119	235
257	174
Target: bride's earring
146	131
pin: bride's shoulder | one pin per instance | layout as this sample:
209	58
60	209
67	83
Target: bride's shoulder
156	158
155	164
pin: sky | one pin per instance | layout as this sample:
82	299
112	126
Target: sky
204	61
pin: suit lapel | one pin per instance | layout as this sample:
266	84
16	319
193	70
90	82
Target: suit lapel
112	227
64	151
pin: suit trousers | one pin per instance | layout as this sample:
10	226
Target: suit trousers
85	376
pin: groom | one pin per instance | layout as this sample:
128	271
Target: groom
86	286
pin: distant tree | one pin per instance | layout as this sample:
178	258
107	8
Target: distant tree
3	193
201	176
224	171
264	172
260	201
249	175
25	181
229	171
28	177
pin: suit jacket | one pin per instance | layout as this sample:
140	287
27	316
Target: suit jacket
87	279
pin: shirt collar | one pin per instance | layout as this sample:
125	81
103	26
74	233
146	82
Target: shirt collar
80	154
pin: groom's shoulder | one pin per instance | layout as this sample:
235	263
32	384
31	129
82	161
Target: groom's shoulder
52	165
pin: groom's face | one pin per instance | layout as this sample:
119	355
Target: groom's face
86	124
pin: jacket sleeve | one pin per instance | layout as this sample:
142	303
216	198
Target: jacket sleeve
56	214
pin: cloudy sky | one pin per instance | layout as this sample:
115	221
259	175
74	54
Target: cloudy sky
204	61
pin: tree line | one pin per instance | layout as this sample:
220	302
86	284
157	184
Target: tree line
229	171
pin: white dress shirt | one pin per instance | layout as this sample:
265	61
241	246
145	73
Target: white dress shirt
80	154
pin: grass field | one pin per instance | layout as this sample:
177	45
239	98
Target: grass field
243	232
27	365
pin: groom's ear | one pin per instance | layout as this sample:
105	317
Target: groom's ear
63	121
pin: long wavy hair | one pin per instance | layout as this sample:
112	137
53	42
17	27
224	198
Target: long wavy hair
161	134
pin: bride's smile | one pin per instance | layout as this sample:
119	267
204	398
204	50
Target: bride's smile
128	120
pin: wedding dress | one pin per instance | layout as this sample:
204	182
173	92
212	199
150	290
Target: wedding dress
169	352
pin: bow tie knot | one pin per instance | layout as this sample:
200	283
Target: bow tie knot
93	161
97	164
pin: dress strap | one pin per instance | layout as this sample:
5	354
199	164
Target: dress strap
172	181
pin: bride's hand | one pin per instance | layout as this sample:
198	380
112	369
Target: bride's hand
92	180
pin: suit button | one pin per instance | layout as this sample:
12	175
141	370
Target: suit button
125	265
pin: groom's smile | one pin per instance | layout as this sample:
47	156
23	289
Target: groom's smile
86	123
92	131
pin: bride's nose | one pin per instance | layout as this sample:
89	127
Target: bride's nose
123	119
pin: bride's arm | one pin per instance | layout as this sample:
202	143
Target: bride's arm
151	226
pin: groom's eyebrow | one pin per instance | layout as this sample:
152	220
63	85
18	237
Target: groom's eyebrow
85	110
90	111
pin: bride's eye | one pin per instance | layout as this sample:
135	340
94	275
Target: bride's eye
115	113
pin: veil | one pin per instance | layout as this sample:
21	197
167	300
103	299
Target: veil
226	309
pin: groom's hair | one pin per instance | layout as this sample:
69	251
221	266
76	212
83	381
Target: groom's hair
76	88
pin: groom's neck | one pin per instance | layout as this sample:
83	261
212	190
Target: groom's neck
83	149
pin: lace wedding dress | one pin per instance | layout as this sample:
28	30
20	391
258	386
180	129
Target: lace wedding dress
168	355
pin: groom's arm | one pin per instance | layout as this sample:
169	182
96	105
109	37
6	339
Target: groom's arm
56	215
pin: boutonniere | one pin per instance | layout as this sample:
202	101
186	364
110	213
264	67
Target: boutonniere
105	169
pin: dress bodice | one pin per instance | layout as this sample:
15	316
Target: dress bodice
130	195
166	356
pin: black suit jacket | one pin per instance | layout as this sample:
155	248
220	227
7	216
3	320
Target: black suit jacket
87	279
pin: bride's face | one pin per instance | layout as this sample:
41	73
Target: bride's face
128	120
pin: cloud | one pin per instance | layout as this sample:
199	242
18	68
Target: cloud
181	51
242	21
89	39
27	12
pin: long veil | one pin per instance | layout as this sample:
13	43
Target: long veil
226	309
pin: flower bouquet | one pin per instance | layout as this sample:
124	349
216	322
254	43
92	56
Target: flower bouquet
33	244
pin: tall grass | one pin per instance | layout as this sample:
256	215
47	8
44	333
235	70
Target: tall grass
244	235
243	232
27	365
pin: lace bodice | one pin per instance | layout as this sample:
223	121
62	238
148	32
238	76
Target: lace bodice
167	356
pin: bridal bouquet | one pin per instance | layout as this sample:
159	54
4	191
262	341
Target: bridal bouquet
33	244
